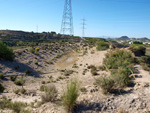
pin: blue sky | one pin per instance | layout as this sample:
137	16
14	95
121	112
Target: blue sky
104	17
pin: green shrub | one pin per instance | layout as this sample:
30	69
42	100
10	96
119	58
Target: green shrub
144	61
138	50
13	78
117	58
146	67
68	72
1	88
121	65
137	42
106	83
42	88
121	77
43	82
20	82
32	50
70	95
94	72
23	91
101	45
27	72
75	66
91	67
1	76
4	103
102	67
6	53
17	106
16	91
83	89
50	94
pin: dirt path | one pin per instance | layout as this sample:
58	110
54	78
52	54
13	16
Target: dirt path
143	76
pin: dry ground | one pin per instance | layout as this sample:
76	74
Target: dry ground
135	100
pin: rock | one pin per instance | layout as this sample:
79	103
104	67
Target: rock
132	101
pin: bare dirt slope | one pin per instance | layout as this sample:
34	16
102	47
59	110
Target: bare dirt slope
134	99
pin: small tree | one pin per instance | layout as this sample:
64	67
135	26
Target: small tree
70	95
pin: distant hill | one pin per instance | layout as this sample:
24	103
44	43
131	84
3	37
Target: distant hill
123	38
126	38
144	39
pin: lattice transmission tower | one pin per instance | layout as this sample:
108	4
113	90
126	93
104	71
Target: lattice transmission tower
83	27
67	20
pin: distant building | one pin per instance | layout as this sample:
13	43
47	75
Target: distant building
131	42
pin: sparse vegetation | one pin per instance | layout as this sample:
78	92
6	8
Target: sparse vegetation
93	69
70	95
16	91
102	68
22	90
17	107
43	82
101	45
75	66
144	61
68	72
120	62
20	82
50	94
13	78
27	72
83	89
118	58
32	50
42	87
106	83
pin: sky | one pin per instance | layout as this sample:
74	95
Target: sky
113	18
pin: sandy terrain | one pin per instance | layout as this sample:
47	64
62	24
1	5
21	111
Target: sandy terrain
135	100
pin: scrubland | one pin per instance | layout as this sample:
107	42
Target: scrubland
91	76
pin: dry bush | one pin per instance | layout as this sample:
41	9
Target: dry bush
50	95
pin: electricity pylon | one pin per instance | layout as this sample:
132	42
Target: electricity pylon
67	21
83	27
